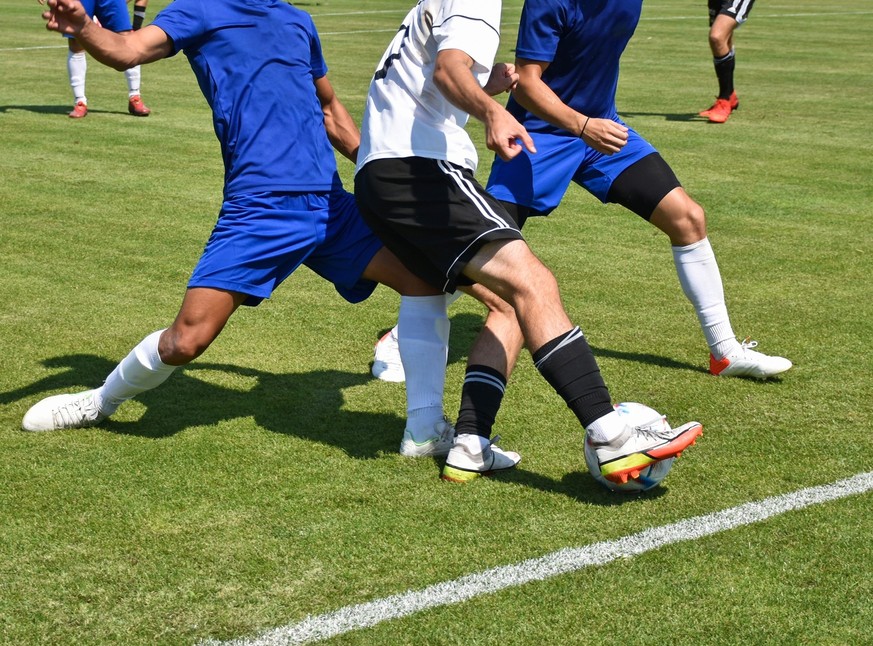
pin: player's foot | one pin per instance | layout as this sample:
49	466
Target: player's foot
136	107
721	109
79	110
634	449
473	456
386	358
746	362
63	411
435	441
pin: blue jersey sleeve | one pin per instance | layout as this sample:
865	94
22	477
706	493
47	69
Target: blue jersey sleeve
183	21
316	57
542	25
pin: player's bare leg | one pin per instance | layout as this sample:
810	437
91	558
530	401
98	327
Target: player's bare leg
684	222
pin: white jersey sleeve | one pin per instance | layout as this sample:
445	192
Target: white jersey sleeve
406	115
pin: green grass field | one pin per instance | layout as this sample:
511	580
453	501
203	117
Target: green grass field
262	484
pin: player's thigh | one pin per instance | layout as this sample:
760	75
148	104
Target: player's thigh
539	181
347	248
432	214
643	185
259	240
509	269
598	176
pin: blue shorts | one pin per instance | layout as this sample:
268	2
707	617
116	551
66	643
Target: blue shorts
261	238
112	14
539	180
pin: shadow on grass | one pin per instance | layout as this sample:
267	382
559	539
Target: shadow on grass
668	116
54	109
306	405
578	485
649	359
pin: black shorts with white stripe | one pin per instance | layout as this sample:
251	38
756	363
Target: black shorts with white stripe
737	9
432	214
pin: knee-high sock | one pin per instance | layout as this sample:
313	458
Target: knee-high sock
450	298
133	76
480	400
724	71
77	66
139	371
139	13
423	328
568	364
701	281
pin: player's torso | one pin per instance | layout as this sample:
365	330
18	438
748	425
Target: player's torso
256	64
584	56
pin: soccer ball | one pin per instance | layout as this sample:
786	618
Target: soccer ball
651	476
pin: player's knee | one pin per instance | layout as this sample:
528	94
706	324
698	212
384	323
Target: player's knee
719	43
538	283
690	224
180	346
696	218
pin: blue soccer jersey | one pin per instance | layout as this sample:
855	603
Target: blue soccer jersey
582	40
268	141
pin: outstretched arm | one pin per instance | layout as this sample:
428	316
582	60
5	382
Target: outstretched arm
604	135
454	77
119	51
341	128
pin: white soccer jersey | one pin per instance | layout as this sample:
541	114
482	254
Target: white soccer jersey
406	115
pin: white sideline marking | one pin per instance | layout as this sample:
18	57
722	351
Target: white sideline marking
364	615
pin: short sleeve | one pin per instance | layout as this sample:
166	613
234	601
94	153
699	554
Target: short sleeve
472	26
183	21
540	30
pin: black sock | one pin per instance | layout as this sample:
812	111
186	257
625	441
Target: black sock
569	366
138	16
480	400
724	71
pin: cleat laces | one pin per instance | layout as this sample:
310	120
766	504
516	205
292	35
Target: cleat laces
75	414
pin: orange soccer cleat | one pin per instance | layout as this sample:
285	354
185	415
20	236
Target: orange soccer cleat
721	109
79	110
136	107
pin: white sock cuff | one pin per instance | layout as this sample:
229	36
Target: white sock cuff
699	251
147	352
425	304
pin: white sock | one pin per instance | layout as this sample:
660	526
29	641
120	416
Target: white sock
77	66
701	281
133	77
605	428
423	350
139	371
450	298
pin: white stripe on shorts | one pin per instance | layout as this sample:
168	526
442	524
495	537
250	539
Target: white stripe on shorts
470	191
740	9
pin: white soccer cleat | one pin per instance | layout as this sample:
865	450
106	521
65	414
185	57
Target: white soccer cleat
63	411
746	362
473	456
435	441
637	447
387	365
